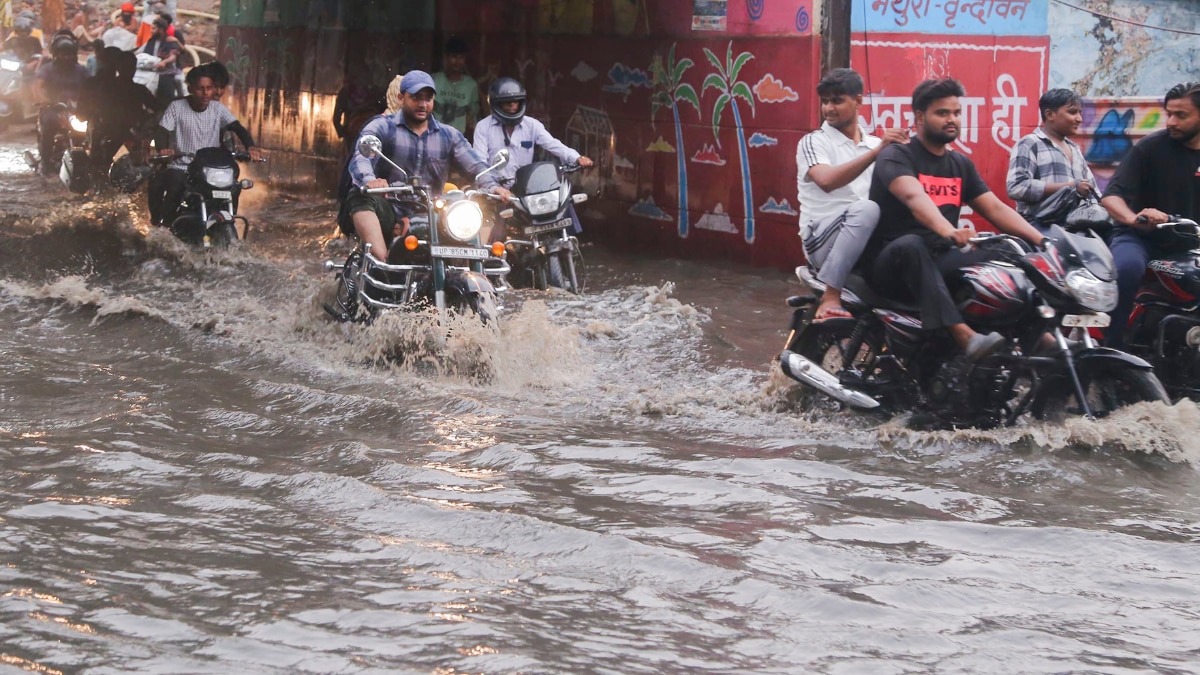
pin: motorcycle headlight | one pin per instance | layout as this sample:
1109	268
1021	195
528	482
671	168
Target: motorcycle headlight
463	220
542	203
218	177
9	65
1091	292
78	126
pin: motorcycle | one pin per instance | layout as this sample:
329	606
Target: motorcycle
540	212
881	359
16	105
207	216
68	155
1164	326
426	266
130	170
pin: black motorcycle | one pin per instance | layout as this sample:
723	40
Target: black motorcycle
881	358
439	263
1164	326
68	149
541	250
207	215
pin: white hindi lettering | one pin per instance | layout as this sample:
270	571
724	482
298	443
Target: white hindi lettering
899	116
1007	104
968	133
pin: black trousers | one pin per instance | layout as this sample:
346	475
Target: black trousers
907	270
164	193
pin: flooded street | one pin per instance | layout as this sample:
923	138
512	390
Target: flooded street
199	472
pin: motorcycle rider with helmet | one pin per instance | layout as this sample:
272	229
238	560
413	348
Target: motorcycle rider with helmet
58	81
23	44
509	127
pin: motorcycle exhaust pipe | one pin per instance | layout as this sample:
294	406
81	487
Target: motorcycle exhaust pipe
804	371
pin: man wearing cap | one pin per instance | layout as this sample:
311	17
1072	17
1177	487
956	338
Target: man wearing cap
419	144
122	35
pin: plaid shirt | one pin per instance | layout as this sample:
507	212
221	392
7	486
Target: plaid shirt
427	156
1035	161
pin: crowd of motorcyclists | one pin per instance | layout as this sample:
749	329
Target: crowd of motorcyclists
885	207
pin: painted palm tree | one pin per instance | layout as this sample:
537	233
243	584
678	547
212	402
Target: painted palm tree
669	91
730	89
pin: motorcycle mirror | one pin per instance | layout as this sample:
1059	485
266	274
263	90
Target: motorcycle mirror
498	160
370	146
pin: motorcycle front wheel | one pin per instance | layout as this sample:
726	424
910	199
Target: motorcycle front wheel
561	271
482	305
1105	390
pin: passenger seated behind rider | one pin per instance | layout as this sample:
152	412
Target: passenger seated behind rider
920	187
509	127
417	143
188	125
1158	178
834	165
1047	160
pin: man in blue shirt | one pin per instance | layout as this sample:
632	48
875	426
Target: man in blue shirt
419	144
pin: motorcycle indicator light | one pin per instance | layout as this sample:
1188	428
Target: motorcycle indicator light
542	203
506	214
78	125
498	249
463	220
11	66
246	183
1046	312
439	204
411	242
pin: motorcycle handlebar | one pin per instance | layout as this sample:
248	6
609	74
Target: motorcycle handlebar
1176	224
390	190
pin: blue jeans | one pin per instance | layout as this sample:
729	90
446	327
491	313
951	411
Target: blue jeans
1131	251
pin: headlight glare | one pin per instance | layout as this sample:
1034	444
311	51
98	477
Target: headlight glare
9	65
218	177
542	203
1091	292
463	220
78	125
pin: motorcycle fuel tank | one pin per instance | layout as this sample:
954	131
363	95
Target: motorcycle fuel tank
994	293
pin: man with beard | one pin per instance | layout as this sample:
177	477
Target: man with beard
834	166
417	143
1158	179
920	187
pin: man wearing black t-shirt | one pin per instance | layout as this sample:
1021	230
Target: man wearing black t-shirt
1159	178
920	187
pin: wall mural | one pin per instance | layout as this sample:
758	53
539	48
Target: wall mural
669	91
729	88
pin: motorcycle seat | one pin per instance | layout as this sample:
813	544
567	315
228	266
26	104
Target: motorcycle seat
865	294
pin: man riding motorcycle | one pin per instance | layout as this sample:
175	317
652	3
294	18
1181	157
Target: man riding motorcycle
114	105
22	44
417	143
188	125
509	127
58	81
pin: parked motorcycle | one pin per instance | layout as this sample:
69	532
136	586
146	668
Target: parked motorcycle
881	358
541	249
1164	326
16	102
440	261
207	216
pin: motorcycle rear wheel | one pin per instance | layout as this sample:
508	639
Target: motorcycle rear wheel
1105	390
826	346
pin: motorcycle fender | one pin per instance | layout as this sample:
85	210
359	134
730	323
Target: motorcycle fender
468	281
556	245
1101	355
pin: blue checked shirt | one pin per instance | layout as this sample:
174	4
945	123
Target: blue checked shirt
1036	161
427	156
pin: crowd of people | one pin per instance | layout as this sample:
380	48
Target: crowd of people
888	206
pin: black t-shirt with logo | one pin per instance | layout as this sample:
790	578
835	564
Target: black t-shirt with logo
1159	173
949	179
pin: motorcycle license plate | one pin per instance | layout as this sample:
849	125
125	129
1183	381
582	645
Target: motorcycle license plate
546	227
459	252
222	194
1085	320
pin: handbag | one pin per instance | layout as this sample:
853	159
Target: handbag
1056	207
1088	215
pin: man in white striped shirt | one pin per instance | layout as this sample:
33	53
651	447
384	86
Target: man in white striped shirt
834	166
187	125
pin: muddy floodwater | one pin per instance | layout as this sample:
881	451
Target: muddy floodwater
200	473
